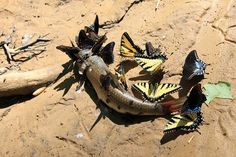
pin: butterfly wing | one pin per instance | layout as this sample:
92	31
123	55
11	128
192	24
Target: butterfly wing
107	53
156	92
94	27
194	101
151	51
70	51
120	74
83	41
127	46
150	63
193	65
191	116
184	122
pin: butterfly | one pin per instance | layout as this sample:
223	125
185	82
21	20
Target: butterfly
150	63
127	46
150	60
195	100
155	91
120	74
88	36
191	116
151	51
193	66
106	53
188	122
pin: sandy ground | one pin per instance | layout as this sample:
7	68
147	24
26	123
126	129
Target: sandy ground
57	122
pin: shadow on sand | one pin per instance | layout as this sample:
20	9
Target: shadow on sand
172	136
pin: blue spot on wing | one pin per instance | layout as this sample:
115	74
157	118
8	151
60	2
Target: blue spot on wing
194	101
193	66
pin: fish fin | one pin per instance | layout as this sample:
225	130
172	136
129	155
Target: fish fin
110	79
105	81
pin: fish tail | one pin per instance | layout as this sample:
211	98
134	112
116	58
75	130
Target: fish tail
173	105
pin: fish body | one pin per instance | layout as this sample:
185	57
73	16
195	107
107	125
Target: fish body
120	100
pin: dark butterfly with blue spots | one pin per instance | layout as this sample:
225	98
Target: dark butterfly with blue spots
191	116
195	100
193	66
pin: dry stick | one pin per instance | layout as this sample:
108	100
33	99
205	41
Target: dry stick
12	52
3	70
32	43
8	51
158	2
24	83
190	139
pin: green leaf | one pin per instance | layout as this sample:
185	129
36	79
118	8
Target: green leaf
217	90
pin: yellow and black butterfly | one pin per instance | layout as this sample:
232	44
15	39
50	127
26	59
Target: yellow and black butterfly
187	122
155	91
150	63
127	46
150	60
191	116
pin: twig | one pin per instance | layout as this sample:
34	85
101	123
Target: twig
190	139
3	70
32	43
158	2
8	51
12	52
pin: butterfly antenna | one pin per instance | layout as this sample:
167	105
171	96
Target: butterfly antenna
198	131
205	123
71	42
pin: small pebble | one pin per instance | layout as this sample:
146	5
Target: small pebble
79	135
